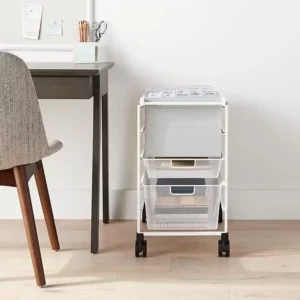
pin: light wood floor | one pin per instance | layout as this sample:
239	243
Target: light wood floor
265	264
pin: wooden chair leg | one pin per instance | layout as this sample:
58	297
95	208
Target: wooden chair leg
29	222
46	205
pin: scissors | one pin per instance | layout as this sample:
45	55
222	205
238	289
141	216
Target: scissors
99	29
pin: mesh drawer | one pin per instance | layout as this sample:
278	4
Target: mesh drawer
168	210
183	168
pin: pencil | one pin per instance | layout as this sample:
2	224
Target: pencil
87	31
83	27
82	31
79	32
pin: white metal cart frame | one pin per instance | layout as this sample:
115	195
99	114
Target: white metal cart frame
224	242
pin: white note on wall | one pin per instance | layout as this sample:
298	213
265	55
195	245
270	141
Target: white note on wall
31	20
55	28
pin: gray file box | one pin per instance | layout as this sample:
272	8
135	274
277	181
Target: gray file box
183	131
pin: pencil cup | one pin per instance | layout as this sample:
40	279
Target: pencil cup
86	52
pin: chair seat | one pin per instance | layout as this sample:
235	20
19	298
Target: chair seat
54	146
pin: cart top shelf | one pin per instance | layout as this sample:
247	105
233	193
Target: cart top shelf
184	95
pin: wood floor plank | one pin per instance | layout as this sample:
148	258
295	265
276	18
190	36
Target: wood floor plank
265	263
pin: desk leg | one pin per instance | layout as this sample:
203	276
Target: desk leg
105	158
96	165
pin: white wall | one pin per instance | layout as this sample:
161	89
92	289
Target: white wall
249	49
53	10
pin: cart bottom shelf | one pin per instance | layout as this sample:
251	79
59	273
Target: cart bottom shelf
223	244
178	224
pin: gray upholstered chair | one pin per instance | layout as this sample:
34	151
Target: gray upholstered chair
23	145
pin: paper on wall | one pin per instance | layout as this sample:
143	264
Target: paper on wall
31	20
55	28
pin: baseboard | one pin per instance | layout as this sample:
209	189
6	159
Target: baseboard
264	204
70	204
76	204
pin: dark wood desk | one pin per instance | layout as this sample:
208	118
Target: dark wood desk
83	81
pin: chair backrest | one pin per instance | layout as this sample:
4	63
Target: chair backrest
22	134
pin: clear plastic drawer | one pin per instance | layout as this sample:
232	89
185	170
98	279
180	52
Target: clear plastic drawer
183	168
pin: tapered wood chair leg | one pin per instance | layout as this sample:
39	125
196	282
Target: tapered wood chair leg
29	222
46	205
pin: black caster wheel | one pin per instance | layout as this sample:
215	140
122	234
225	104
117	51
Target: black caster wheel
144	246
224	245
224	248
220	214
137	249
144	215
220	248
140	246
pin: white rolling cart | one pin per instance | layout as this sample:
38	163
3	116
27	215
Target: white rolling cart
182	165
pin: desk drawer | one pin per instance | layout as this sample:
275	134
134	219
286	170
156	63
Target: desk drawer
64	87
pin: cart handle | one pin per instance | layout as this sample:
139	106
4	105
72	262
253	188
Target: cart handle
174	161
182	194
